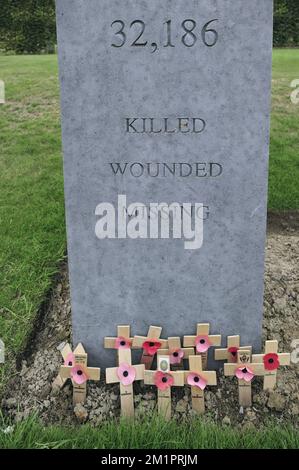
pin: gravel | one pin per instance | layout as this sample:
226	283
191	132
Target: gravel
30	390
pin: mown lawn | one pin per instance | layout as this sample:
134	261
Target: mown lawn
148	433
32	235
284	147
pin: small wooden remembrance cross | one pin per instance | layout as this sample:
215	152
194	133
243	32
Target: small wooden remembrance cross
245	371
198	380
123	341
176	353
67	355
202	341
79	373
125	374
164	380
150	345
229	353
272	360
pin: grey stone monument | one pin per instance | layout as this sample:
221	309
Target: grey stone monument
165	101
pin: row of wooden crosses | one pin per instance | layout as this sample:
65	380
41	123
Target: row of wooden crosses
170	371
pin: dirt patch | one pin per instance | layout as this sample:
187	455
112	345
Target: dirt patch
31	389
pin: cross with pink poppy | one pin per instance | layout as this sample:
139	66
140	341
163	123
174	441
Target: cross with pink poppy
76	369
150	345
272	360
202	341
164	381
176	353
198	380
125	374
123	341
229	353
245	371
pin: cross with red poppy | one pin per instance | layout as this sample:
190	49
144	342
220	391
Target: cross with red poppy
198	380
79	373
272	360
202	341
229	353
164	381
245	371
176	353
123	341
150	345
125	374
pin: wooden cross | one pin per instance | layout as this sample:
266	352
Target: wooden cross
229	353
198	380
271	359
76	371
164	381
150	344
122	374
66	351
245	370
203	340
123	341
176	353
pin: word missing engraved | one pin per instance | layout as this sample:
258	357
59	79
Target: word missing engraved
158	221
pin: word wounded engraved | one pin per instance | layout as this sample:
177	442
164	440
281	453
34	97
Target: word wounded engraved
155	169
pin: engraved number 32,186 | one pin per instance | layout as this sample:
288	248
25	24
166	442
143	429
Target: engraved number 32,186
190	34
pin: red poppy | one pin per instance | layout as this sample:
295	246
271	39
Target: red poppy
163	381
271	361
151	346
233	351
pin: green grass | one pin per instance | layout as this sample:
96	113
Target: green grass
284	147
32	236
150	433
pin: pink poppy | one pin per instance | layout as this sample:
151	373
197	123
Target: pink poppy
163	381
233	351
122	343
70	360
244	373
126	374
79	375
176	356
202	343
151	346
195	380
